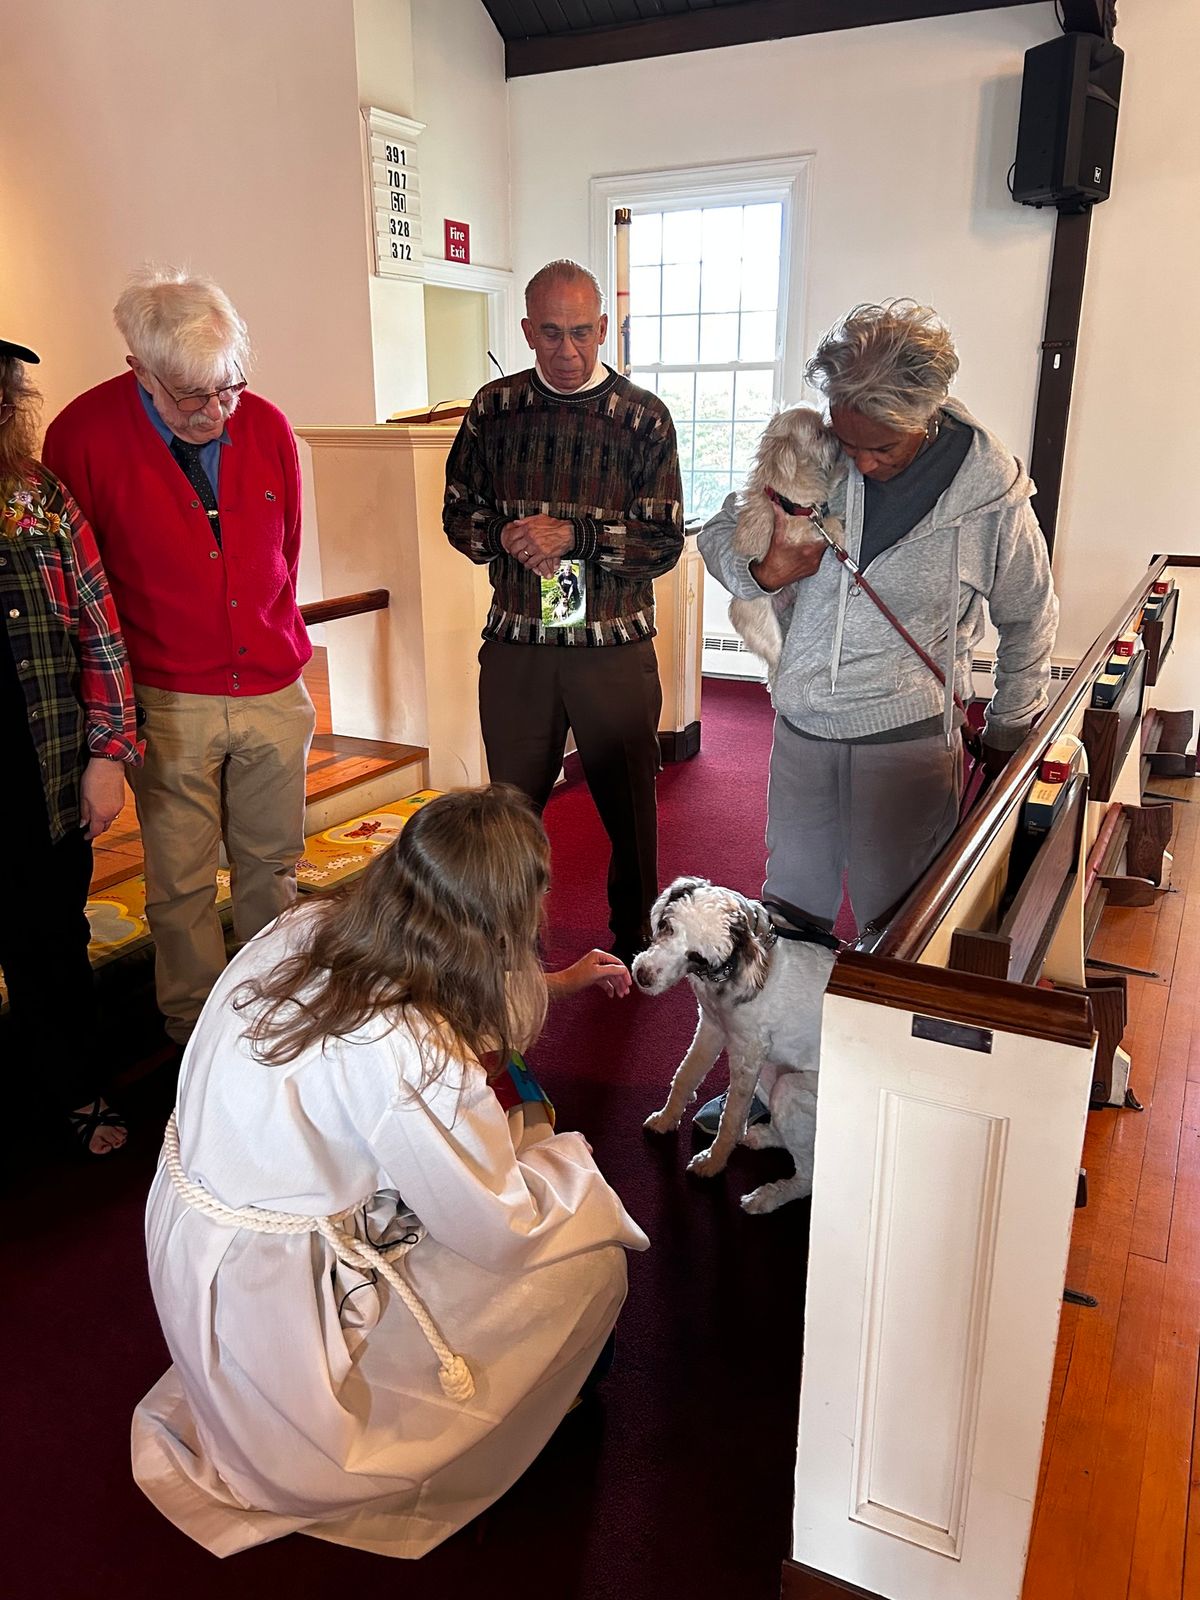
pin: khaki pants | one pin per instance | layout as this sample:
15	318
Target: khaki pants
217	768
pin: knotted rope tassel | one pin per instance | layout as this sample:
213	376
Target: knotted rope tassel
453	1372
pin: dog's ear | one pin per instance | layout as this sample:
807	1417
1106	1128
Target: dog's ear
678	890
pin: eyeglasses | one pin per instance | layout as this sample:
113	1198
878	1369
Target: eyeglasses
190	404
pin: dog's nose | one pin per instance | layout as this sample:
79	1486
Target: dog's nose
642	974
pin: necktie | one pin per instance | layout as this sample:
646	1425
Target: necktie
188	457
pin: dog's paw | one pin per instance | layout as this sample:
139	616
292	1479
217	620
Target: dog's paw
762	1136
660	1122
770	1196
706	1165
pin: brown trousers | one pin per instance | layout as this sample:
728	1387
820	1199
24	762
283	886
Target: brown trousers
609	697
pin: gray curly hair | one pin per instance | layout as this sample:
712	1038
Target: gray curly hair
892	362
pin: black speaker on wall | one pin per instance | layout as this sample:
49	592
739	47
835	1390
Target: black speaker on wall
1068	127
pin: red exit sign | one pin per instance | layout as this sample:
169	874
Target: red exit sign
458	241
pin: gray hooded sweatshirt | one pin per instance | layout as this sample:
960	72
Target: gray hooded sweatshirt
845	672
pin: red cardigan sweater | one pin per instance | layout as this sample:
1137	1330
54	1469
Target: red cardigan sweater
197	617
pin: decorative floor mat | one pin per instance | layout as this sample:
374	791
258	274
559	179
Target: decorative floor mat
343	851
118	915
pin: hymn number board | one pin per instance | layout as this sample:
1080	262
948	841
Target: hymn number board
395	194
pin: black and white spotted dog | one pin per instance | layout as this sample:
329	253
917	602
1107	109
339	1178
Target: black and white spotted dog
760	998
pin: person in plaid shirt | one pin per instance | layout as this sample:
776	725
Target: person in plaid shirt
68	723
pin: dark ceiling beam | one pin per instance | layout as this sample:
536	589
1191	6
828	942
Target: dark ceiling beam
1089	16
718	26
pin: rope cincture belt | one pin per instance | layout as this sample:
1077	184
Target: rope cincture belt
453	1372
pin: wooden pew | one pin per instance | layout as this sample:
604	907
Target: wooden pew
961	1050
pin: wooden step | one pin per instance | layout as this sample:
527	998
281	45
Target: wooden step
346	777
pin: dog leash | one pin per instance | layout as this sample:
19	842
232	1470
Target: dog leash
813	513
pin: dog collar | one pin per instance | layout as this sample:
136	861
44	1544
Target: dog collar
790	507
721	973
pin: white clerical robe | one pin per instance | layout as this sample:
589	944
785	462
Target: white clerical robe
303	1396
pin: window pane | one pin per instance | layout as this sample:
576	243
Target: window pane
687	494
645	380
681	236
676	389
721	284
755	395
684	434
680	336
644	291
681	289
745	441
760	283
645	239
713	443
714	395
643	332
760	230
719	337
721	233
758	336
708	491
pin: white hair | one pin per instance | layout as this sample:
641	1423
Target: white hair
893	362
181	327
563	271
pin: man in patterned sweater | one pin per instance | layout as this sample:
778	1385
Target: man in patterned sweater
570	462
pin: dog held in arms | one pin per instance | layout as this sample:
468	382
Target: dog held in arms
760	998
796	465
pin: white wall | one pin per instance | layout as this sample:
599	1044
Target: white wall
460	94
1130	487
215	139
913	126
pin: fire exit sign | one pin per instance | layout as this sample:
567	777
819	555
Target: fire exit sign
458	241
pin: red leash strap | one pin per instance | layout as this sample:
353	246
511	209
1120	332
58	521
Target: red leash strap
855	572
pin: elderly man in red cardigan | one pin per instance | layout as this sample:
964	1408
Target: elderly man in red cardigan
192	485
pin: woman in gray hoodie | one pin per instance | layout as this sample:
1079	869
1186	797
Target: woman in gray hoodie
866	762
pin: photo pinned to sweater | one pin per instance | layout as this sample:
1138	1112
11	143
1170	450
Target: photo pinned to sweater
564	596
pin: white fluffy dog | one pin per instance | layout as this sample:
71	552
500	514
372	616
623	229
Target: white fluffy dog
800	460
760	998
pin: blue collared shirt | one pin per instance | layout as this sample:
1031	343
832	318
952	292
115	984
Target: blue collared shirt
210	453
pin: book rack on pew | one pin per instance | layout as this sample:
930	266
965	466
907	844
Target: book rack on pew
961	1051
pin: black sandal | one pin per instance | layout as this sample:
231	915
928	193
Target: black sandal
85	1123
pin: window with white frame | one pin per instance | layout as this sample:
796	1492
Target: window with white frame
704	308
716	321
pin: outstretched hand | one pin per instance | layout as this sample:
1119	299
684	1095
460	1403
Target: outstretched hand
599	969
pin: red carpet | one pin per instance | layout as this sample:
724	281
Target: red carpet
677	1484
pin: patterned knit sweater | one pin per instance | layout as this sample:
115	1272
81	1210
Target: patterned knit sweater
603	459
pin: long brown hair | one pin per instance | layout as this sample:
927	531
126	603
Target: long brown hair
18	436
442	928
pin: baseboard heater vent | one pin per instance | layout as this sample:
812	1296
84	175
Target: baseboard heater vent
1060	671
730	644
727	642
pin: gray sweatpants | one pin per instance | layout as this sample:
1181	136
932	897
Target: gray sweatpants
875	813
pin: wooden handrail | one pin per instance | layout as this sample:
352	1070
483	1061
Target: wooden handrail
909	931
344	605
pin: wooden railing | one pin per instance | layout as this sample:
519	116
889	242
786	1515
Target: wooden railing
344	605
910	928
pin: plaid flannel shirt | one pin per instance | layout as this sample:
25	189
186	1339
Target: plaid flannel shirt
65	640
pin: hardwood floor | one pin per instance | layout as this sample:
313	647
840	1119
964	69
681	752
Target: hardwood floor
1118	1510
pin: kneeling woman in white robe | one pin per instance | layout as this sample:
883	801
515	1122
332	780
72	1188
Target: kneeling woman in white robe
335	1073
